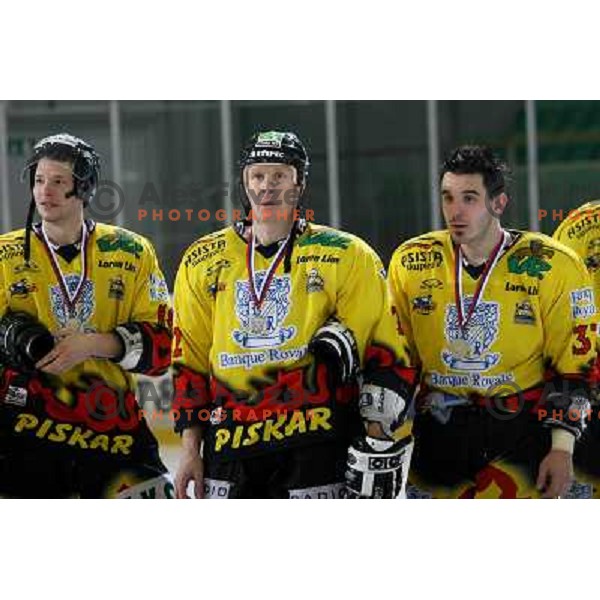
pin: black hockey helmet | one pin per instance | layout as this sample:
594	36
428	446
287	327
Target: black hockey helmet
274	147
63	147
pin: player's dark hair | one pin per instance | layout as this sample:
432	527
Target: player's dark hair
468	160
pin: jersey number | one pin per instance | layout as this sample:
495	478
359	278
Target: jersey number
585	344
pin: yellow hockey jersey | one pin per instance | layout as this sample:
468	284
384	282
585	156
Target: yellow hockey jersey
252	361
114	280
581	232
535	315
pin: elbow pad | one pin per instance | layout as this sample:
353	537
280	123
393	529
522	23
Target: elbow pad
146	348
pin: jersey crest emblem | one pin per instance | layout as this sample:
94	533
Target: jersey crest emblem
84	307
262	327
468	352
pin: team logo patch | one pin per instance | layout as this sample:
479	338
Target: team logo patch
119	240
22	288
116	288
159	292
84	308
269	139
424	305
582	303
524	313
531	261
468	352
314	282
262	327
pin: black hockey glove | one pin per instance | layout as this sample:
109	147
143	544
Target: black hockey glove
334	345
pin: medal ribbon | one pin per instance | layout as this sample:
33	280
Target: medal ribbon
463	320
258	295
70	299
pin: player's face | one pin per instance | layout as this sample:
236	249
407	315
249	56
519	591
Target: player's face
465	209
272	190
53	181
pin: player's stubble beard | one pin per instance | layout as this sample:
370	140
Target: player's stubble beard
478	246
64	227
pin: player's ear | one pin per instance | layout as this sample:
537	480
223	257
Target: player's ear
498	204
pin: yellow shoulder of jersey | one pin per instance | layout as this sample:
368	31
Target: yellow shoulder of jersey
425	240
344	238
112	233
337	238
579	224
16	236
212	245
563	257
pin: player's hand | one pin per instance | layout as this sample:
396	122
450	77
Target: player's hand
190	468
555	474
72	348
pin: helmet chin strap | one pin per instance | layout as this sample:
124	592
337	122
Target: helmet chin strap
28	227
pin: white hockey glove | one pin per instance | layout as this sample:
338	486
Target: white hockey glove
378	468
382	405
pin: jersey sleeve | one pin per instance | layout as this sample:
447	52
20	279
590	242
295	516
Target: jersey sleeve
398	294
587	248
568	314
192	341
361	296
568	317
146	336
365	306
151	290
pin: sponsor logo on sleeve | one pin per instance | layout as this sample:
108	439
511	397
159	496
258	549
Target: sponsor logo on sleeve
582	303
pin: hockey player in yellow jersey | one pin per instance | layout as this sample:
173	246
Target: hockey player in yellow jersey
274	318
498	321
83	306
581	232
